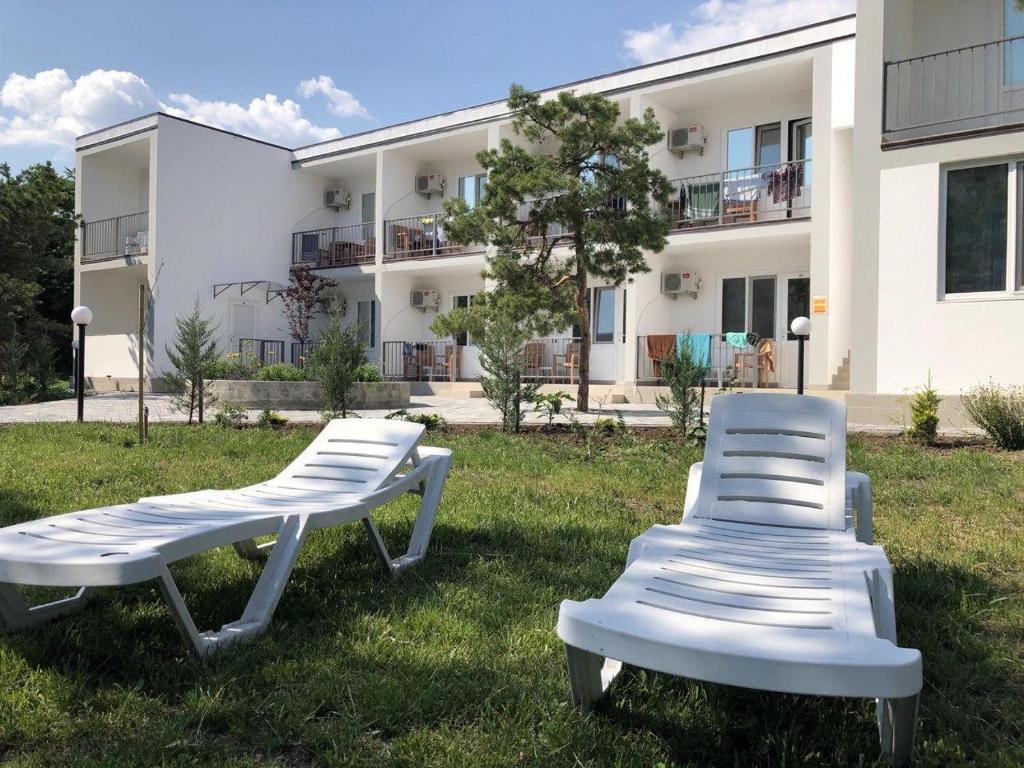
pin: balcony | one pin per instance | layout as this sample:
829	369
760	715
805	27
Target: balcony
422	237
979	88
749	365
754	195
115	238
335	246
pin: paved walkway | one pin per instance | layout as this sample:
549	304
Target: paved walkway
122	407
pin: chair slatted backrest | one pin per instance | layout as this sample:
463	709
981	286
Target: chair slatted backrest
352	456
775	459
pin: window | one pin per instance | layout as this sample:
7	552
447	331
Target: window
471	189
748	305
976	229
1013	50
366	317
801	145
604	314
734	304
762	306
798	302
769	145
369	207
739	149
310	245
462	302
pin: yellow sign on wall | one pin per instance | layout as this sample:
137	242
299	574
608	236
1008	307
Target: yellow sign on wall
819	305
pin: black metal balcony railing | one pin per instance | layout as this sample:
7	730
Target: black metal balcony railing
335	246
742	196
262	351
976	87
727	363
421	237
300	353
554	360
115	237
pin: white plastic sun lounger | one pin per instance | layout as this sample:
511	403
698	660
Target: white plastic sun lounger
350	468
764	583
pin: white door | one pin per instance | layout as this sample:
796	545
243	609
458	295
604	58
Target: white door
794	301
243	324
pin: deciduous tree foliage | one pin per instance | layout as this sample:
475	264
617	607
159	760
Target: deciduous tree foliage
37	236
575	199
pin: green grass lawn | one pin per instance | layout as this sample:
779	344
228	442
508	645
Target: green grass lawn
457	663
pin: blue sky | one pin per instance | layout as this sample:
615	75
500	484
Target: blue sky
298	72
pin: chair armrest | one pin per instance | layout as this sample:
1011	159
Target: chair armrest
858	500
692	487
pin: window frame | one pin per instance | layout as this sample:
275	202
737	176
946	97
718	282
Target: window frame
372	331
595	312
1012	286
479	182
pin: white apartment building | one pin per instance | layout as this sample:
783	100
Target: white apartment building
791	198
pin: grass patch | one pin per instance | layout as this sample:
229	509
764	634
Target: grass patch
457	663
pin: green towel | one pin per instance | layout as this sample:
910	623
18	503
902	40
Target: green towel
737	339
702	200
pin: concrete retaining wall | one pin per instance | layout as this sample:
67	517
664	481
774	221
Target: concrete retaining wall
305	395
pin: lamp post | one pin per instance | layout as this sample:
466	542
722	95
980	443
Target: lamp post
81	316
801	328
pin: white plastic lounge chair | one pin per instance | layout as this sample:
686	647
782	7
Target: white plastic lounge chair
351	468
764	583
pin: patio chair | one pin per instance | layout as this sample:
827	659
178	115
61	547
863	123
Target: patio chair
762	362
765	583
349	470
535	361
570	360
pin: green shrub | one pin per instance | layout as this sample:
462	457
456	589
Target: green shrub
230	415
367	373
269	419
334	362
550	403
999	411
924	415
428	420
280	372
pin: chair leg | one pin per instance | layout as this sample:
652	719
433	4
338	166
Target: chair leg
262	603
896	729
16	614
589	675
431	490
250	550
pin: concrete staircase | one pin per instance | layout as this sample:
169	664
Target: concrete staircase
841	378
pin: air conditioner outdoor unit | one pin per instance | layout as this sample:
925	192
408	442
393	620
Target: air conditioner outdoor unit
429	183
689	139
337	198
675	283
425	299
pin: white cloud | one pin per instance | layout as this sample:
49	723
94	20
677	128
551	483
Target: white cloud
339	102
266	118
720	22
49	108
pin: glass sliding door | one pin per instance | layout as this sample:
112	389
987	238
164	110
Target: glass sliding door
769	145
762	306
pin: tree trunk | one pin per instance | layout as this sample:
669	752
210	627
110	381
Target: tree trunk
583	394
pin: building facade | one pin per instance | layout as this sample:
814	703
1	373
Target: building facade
811	176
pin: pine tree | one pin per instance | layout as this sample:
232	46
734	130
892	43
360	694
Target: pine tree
580	201
193	356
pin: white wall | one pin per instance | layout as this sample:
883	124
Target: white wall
112	186
226	209
112	339
961	342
